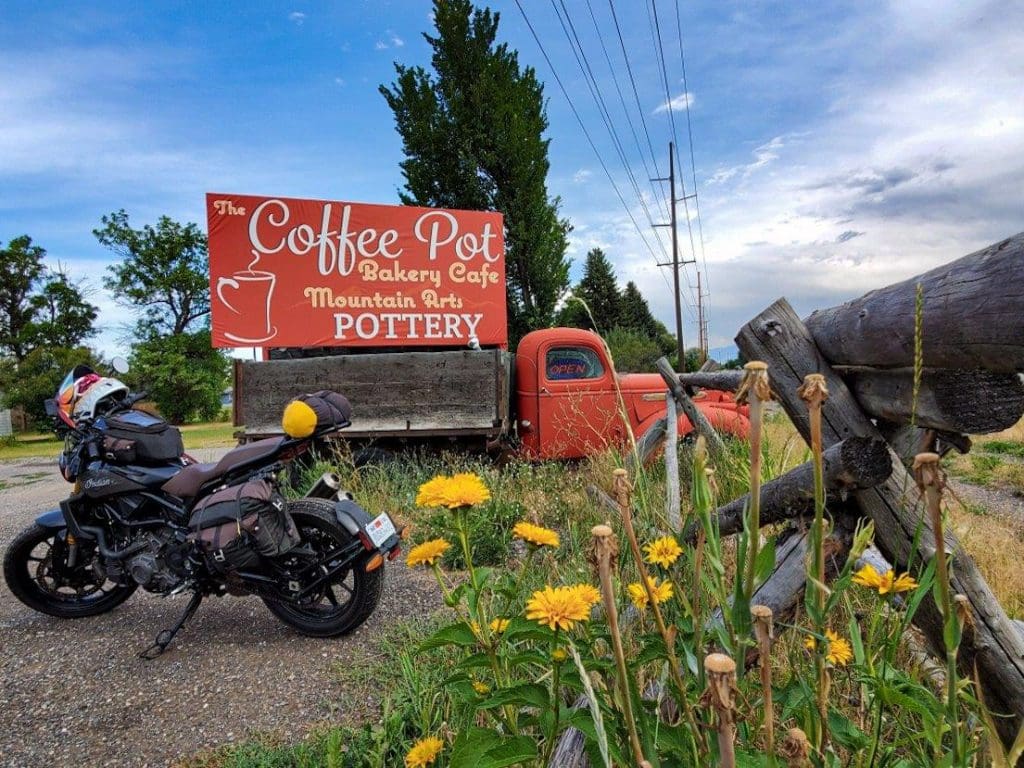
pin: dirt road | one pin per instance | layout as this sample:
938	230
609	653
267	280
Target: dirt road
75	693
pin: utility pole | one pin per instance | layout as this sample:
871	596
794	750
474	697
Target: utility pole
700	322
676	263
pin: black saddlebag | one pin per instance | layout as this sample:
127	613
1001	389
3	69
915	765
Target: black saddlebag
137	437
236	525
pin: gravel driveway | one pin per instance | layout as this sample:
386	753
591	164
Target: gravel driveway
74	693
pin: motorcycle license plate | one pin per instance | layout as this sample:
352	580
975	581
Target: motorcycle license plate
380	529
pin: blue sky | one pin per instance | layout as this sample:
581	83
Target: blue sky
838	146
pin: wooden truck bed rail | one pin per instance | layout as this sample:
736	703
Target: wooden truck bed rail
401	394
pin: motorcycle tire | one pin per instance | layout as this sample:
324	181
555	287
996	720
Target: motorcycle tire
36	571
323	615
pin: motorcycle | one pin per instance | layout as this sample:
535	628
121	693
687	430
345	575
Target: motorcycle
145	514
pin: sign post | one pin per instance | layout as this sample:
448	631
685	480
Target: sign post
314	273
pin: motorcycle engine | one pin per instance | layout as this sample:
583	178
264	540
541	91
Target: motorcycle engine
162	566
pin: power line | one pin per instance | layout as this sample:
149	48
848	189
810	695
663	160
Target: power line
693	164
583	127
625	110
595	92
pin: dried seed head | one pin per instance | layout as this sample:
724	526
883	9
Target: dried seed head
621	487
719	664
764	628
795	748
928	472
814	389
602	544
963	611
709	472
755	384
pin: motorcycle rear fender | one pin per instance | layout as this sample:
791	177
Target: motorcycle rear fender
355	519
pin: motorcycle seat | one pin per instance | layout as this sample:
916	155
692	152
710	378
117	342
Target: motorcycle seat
187	483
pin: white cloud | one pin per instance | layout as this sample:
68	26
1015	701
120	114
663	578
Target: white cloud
390	40
582	175
677	104
339	81
297	18
910	166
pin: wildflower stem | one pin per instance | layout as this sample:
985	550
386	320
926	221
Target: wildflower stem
555	704
621	493
756	389
604	545
814	393
931	481
764	631
721	673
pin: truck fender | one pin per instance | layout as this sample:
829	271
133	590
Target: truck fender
684	425
53	520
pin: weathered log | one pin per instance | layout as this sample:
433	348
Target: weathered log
726	381
956	401
648	443
855	463
906	441
693	413
971	317
778	337
972	402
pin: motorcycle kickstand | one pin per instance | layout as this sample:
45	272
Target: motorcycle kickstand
164	638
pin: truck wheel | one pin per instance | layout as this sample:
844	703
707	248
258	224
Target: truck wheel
373	457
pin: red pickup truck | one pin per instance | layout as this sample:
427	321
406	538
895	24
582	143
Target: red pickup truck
556	397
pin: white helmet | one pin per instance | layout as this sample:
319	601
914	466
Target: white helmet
88	403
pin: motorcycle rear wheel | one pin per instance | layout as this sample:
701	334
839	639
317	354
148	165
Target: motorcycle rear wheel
36	571
340	607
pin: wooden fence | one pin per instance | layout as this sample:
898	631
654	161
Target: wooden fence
969	318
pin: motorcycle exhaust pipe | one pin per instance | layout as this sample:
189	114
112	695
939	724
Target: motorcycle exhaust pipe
326	487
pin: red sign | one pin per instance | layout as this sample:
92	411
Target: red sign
313	273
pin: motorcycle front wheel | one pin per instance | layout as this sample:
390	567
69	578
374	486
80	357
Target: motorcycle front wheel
339	606
37	572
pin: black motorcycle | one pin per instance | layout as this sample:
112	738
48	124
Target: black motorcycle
143	514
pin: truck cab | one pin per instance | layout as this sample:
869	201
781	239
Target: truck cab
568	398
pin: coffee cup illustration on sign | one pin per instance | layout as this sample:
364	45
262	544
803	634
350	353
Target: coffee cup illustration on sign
247	295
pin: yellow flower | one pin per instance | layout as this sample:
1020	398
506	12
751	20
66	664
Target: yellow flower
663	551
481	688
886	584
427	553
588	594
638	594
839	651
432	492
498	625
535	534
423	752
465	490
559	655
557	608
462	490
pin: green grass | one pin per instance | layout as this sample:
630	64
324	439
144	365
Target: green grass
46	445
1005	447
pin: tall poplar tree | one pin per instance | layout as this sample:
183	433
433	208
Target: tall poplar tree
472	131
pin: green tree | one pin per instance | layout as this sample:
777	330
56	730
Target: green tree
63	316
636	315
632	351
183	374
472	133
38	307
162	272
600	291
35	378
